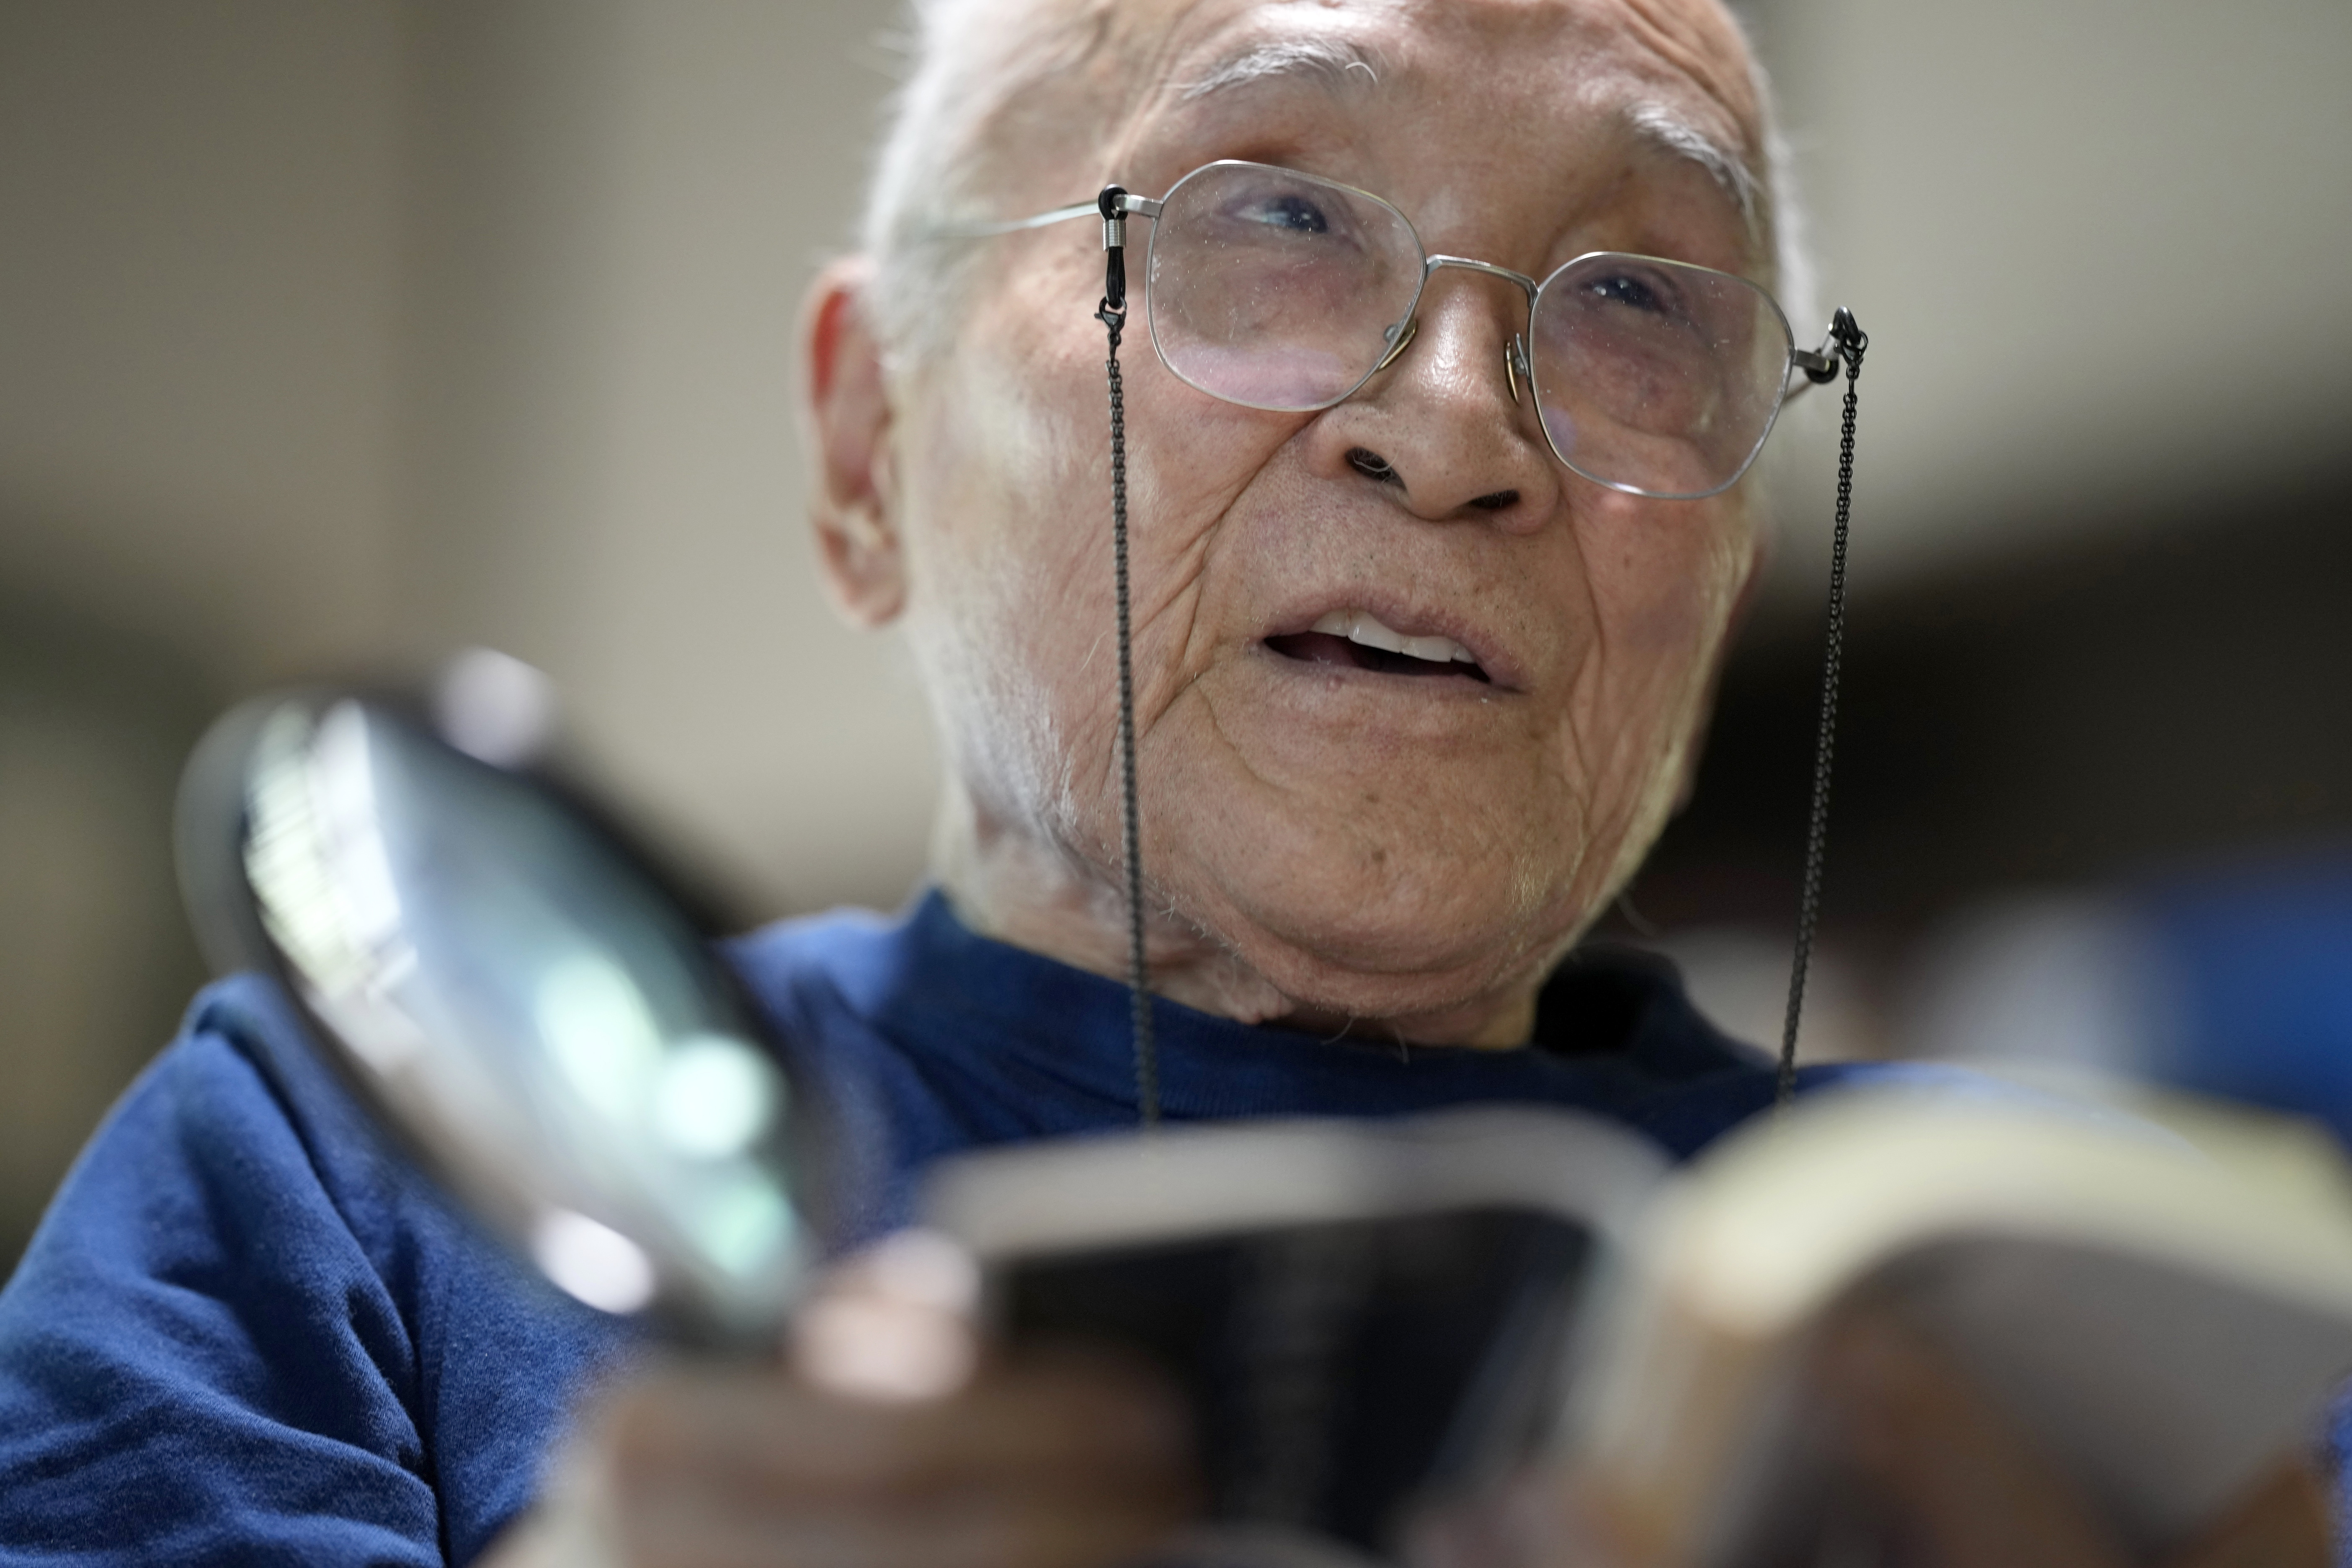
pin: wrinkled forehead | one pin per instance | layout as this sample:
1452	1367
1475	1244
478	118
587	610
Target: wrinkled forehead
1676	71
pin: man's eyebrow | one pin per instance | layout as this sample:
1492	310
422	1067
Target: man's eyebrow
1328	62
1670	132
1337	63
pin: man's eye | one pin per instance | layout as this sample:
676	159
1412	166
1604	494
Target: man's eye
1298	214
1631	292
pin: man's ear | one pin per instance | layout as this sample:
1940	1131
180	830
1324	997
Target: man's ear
848	430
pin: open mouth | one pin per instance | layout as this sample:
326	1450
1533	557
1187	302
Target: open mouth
1358	639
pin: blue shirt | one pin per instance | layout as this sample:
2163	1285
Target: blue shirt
247	1333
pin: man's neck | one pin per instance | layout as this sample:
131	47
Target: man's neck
1007	886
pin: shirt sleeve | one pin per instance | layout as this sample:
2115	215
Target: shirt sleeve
243	1334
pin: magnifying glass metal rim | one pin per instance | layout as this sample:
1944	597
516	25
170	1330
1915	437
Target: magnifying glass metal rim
212	827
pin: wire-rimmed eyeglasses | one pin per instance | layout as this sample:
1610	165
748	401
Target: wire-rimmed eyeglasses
1287	292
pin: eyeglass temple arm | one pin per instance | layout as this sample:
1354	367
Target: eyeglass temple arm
1844	339
1141	206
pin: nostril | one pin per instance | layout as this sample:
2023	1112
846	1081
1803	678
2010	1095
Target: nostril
1373	467
1496	502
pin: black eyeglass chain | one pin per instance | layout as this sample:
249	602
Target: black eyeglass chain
1851	341
1112	314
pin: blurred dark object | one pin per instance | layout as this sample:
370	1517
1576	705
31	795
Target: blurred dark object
2165	685
1365	1317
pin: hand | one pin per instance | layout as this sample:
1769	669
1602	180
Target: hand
1950	1482
1048	1461
1941	1469
1953	1476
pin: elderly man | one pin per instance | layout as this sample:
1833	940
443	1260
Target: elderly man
1423	653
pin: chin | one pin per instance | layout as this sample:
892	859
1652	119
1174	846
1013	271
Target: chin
1455	890
1445	1005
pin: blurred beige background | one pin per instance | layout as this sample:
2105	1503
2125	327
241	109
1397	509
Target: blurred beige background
337	336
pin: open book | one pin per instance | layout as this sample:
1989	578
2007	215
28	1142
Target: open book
1368	1318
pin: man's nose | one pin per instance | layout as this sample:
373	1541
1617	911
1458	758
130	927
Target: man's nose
1440	423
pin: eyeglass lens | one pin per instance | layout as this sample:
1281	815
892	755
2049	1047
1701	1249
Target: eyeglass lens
1281	290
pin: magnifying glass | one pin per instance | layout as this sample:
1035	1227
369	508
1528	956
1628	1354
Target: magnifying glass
515	988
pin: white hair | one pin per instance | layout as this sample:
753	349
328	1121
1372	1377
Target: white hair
971	61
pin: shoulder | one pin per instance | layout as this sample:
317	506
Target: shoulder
808	959
244	1327
231	1134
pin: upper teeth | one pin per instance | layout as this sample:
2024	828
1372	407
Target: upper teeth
1364	626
